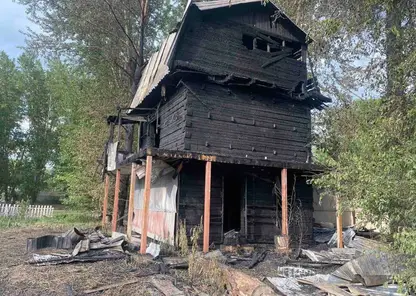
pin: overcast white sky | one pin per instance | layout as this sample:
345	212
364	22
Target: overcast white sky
12	20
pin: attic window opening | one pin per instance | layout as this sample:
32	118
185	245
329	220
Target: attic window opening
251	43
248	41
262	45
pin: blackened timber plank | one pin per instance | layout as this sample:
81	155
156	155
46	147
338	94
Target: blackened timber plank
171	132
236	156
214	126
234	131
234	107
277	125
214	31
277	104
260	118
247	148
257	58
249	143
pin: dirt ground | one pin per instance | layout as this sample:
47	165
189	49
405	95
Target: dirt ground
19	278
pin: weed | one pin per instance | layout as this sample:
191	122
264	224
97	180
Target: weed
183	239
207	272
193	256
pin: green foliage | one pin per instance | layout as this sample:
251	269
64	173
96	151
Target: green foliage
367	49
359	46
372	165
371	162
28	128
405	241
41	136
82	102
94	54
10	133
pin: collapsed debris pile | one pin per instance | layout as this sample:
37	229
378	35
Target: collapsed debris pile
361	268
75	245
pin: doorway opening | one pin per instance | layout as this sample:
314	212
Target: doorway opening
233	192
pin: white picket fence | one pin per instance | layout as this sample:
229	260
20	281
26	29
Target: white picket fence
32	211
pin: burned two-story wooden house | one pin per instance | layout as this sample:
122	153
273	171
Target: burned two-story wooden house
225	127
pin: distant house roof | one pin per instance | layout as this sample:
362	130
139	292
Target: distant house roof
158	66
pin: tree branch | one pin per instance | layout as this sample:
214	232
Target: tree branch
121	26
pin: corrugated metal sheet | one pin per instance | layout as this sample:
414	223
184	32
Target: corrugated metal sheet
162	206
112	156
155	70
207	5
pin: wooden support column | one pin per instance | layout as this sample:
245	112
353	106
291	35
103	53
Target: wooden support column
340	239
131	200
115	206
105	201
207	206
146	203
285	216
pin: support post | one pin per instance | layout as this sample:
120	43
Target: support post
105	201
207	206
115	206
131	200
146	203
285	216
340	239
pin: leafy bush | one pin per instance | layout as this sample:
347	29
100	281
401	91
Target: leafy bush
371	166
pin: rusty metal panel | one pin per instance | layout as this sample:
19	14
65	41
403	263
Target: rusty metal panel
162	208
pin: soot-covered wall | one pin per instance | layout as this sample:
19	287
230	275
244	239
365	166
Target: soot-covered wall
258	204
237	123
222	43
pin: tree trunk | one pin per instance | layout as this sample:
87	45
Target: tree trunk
138	61
394	87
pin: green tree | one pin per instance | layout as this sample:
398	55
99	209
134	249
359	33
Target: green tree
361	48
41	117
10	120
367	145
106	42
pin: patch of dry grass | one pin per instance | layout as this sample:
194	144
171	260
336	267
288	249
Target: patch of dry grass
19	278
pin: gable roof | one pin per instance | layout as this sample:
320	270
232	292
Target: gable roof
158	66
214	4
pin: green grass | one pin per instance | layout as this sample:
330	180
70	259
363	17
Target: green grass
60	218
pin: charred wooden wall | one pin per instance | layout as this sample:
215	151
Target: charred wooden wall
303	228
260	17
172	122
233	122
215	45
261	211
191	198
264	207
